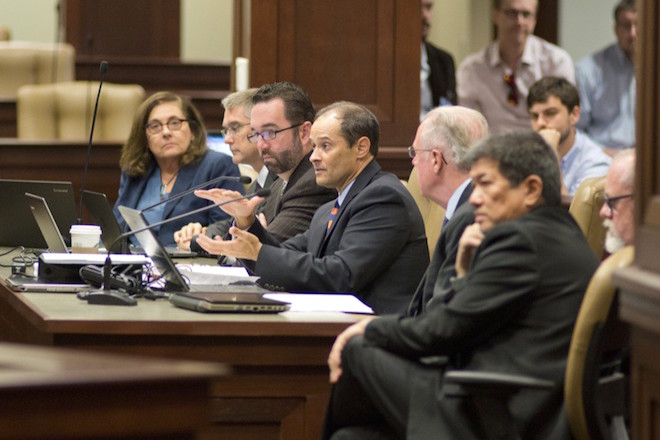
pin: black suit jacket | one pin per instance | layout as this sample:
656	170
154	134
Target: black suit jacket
375	249
443	78
222	227
513	312
435	284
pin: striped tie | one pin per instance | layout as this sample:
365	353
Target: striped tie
333	213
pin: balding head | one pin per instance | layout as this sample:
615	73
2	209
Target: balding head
443	139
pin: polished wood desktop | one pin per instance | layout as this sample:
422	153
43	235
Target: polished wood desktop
67	394
279	386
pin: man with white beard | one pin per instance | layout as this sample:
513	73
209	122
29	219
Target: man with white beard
617	211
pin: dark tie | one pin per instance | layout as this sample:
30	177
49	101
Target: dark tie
333	213
510	80
444	222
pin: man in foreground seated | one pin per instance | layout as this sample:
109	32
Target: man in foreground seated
522	269
443	140
369	242
617	211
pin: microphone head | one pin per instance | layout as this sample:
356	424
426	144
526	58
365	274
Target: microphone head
263	192
245	180
104	67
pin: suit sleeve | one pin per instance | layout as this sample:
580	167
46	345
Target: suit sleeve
498	286
376	233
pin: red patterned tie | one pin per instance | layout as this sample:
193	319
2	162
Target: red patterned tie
333	213
510	80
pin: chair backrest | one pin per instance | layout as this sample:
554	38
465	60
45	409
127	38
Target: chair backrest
583	369
585	207
23	62
64	110
432	213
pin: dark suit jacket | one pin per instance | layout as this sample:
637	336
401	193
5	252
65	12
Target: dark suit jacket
513	312
442	78
212	165
222	227
375	248
435	283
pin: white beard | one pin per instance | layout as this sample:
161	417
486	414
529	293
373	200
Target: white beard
613	242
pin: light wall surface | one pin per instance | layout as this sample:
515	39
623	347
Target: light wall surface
460	27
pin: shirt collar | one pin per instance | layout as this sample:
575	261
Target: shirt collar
453	200
344	193
262	176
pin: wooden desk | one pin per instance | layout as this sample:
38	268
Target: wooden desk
279	388
47	392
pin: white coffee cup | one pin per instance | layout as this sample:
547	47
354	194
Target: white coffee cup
85	239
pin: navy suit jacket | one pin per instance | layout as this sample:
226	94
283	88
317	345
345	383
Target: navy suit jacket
435	284
212	165
375	249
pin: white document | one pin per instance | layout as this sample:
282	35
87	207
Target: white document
202	274
318	302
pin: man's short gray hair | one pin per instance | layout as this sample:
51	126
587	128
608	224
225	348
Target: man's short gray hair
242	98
458	128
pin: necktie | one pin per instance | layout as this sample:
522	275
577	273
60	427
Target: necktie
333	213
510	80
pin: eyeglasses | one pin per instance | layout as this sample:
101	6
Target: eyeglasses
612	201
232	129
268	135
412	152
513	14
174	124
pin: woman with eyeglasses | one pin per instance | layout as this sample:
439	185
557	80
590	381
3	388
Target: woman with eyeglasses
166	154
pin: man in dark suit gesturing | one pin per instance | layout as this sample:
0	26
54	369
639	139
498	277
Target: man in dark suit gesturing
369	242
522	269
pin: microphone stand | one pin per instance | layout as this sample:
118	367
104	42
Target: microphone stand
103	68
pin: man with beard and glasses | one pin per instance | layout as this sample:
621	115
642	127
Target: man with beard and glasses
617	211
280	122
554	109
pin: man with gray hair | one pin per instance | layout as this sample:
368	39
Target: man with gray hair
438	153
521	271
617	211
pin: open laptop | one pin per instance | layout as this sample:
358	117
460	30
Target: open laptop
99	208
17	224
46	222
201	298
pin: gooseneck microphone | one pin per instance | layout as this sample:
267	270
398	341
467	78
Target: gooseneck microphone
245	180
103	68
107	267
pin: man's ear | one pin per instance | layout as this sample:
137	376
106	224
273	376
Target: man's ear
574	115
305	132
362	147
436	160
533	191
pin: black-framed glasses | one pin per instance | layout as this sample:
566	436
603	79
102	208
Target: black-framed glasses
268	135
412	152
173	124
233	129
611	202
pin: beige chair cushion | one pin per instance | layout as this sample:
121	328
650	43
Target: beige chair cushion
585	208
432	213
24	63
64	110
594	310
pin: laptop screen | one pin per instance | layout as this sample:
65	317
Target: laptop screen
154	250
17	224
